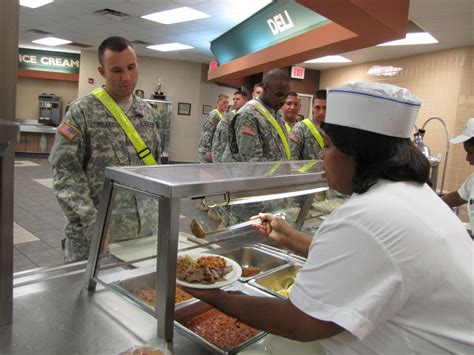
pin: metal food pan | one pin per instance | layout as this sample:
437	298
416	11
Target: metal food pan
254	257
277	280
146	281
186	311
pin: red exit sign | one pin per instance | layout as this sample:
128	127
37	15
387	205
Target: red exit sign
297	72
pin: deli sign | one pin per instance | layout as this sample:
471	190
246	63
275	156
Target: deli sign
57	62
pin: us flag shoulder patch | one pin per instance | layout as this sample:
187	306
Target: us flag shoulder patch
294	137
68	130
249	131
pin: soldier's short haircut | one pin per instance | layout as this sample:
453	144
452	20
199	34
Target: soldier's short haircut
258	85
276	74
241	93
293	94
320	94
222	96
115	44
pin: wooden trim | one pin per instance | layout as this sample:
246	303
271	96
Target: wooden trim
25	73
356	24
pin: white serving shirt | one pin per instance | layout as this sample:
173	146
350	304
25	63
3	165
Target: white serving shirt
394	268
466	191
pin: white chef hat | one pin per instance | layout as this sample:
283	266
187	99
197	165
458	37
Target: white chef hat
467	134
381	108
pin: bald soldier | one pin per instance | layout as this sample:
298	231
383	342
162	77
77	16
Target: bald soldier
257	132
306	140
90	139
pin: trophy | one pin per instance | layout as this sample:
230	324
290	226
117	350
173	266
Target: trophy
158	94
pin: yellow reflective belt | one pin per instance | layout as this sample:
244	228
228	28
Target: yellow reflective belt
314	131
143	151
218	114
288	128
274	123
307	166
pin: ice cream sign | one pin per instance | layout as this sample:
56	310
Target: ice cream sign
58	62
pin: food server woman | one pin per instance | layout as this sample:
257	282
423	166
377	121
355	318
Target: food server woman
390	271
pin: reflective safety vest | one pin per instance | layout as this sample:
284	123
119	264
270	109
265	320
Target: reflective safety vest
218	114
314	131
144	153
263	110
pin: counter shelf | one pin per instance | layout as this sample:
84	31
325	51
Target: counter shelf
158	194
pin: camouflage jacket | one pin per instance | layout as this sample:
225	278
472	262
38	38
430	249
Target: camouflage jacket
208	129
253	138
220	142
79	159
303	145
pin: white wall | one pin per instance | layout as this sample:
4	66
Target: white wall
181	82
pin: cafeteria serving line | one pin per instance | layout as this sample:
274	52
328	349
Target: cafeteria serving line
172	237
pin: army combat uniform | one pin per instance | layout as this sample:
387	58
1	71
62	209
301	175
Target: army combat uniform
253	138
208	130
303	144
89	140
220	142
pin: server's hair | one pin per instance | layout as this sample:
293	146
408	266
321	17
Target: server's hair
469	142
115	44
378	156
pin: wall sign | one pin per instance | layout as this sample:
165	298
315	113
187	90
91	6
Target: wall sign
297	72
58	62
281	20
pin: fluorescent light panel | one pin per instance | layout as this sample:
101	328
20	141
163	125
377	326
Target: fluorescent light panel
330	59
51	41
167	47
34	3
378	70
181	14
411	39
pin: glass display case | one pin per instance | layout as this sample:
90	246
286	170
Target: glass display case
147	218
164	108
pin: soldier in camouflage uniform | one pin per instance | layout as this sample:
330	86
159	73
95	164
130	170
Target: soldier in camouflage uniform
251	136
303	144
290	110
89	140
209	127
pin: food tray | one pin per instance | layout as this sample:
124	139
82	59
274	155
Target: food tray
255	258
186	311
277	280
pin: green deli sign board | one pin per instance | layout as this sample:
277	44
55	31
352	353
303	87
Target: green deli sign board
58	62
279	21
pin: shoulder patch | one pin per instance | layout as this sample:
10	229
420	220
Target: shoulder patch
212	120
68	130
294	137
249	131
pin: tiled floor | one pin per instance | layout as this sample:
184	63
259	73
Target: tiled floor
40	220
38	217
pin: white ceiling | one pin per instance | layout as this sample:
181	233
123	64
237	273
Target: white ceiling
449	21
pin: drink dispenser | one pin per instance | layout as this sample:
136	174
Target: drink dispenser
49	109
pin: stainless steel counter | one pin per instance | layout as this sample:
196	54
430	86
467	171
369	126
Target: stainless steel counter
27	125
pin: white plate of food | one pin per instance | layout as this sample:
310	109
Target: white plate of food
206	271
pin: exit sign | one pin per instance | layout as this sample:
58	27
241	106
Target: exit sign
297	72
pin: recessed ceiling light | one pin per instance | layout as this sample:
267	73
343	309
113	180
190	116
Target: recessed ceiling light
167	47
330	59
51	41
411	39
181	14
34	3
378	70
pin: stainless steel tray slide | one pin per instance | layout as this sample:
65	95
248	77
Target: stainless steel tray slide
189	310
280	279
255	258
